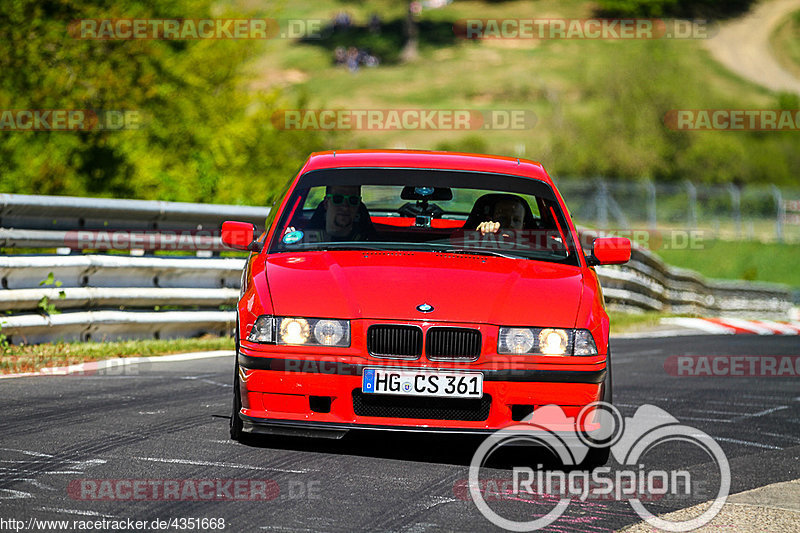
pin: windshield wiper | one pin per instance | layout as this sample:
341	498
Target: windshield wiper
352	245
478	251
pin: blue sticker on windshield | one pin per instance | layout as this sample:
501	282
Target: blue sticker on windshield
293	237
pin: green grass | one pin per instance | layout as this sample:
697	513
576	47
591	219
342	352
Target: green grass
28	358
599	104
785	43
630	322
747	260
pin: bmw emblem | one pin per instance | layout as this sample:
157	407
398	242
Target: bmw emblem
424	308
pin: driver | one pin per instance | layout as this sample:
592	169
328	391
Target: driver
339	216
341	212
507	213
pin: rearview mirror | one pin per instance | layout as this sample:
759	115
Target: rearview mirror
610	251
239	235
431	194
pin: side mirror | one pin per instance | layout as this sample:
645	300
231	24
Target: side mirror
239	235
610	251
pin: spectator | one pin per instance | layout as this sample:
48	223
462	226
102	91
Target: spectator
374	24
340	55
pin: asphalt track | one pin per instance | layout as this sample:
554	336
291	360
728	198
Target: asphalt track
167	421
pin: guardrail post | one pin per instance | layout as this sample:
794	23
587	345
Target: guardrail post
780	210
651	204
602	204
736	202
691	191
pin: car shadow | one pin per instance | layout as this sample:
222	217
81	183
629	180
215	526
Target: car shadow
446	449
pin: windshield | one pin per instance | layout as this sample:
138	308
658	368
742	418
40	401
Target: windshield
424	210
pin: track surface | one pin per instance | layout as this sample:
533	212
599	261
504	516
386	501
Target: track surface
167	421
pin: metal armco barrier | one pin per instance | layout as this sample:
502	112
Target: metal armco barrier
646	283
115	296
110	325
24	211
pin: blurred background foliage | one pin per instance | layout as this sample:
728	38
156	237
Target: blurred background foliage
711	9
204	136
206	133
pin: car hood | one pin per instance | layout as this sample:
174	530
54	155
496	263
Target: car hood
390	285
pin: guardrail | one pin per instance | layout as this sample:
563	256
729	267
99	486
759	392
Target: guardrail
74	213
124	296
117	296
646	283
68	222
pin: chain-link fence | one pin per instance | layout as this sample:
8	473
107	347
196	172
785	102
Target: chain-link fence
758	212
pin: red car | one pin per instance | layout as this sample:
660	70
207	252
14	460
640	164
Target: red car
412	290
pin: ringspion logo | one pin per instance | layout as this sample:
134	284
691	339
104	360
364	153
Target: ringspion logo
571	440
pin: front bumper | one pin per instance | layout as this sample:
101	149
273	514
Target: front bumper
319	397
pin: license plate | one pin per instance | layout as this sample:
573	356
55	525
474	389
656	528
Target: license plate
422	383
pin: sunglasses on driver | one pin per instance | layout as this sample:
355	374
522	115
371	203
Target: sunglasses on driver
338	199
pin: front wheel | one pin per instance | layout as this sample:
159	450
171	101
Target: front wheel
598	457
236	425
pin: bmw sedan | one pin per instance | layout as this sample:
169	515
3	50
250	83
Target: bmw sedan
417	291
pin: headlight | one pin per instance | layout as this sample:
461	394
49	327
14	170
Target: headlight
294	331
300	331
329	332
545	341
516	340
553	341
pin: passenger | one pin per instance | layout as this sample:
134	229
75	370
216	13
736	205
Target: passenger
508	212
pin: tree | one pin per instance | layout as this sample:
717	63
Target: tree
203	135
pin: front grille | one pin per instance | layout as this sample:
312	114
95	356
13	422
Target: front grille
393	340
390	406
446	344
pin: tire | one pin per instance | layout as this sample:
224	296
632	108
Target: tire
608	385
598	457
236	425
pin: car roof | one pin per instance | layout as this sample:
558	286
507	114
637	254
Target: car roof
426	159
